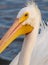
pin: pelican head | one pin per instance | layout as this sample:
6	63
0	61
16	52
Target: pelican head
27	19
31	13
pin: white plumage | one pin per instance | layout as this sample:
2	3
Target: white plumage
35	46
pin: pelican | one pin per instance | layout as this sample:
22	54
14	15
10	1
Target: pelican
35	47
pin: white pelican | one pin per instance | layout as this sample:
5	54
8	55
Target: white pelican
35	47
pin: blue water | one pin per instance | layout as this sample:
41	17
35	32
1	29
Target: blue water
8	12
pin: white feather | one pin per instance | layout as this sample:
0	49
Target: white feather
35	46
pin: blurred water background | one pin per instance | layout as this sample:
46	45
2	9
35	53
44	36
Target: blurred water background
8	12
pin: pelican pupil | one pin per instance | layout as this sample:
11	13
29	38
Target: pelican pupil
26	14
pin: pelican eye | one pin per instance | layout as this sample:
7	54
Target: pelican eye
26	14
